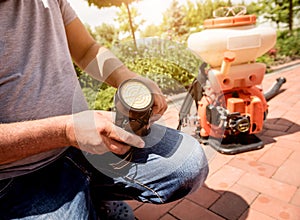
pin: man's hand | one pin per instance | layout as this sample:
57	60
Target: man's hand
160	103
123	73
93	132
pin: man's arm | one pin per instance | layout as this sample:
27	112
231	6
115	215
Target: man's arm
84	50
90	131
22	139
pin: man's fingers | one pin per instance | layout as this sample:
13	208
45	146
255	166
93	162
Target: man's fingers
160	104
118	134
116	147
154	118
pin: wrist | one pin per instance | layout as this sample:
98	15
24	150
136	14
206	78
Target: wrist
119	75
69	131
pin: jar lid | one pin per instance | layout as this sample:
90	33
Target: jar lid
230	21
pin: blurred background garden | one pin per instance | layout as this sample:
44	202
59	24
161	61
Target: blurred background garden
159	51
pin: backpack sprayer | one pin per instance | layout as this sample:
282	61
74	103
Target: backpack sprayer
231	106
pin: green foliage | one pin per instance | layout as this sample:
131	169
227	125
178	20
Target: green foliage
179	21
99	95
85	80
171	65
109	3
124	5
174	21
278	11
286	49
168	63
151	31
170	77
266	59
106	34
104	99
90	96
194	15
123	18
288	44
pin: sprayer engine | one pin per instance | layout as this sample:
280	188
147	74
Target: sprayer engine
233	123
231	113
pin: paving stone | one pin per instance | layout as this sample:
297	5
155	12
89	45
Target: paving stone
224	178
274	134
191	211
277	127
276	156
295	137
296	198
152	211
252	214
268	186
134	204
204	197
289	171
276	208
252	166
218	162
288	142
246	193
295	128
230	205
255	154
167	217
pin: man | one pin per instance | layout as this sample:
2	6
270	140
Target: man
43	113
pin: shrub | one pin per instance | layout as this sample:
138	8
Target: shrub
286	49
104	99
171	65
288	43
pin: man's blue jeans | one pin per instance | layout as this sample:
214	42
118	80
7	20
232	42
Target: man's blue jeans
171	165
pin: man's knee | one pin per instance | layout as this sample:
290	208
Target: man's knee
190	175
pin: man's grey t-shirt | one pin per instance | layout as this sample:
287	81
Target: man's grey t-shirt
37	77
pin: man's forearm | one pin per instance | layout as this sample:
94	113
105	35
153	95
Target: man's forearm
105	66
23	139
93	58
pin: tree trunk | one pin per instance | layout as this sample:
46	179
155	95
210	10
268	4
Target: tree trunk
131	26
291	17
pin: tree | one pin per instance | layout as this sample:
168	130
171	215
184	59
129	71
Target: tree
118	3
290	15
105	34
277	11
193	12
109	3
123	17
150	31
196	13
174	23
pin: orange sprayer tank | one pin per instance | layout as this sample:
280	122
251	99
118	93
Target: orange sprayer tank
237	34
